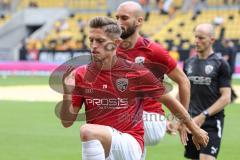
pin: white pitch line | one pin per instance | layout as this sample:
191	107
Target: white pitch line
45	93
29	93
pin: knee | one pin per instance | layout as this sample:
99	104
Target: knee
87	132
154	134
153	141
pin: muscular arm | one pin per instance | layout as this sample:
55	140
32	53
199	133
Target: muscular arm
68	113
199	136
222	101
178	110
178	76
224	89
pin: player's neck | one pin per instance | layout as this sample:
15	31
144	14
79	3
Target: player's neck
206	54
133	39
107	63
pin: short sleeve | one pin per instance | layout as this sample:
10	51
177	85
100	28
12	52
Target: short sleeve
163	57
77	99
147	85
224	76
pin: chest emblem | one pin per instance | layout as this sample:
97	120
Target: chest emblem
139	60
122	84
208	69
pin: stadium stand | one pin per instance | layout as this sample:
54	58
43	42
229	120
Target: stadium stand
171	25
4	18
73	4
184	23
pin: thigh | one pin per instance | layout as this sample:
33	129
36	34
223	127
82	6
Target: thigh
213	146
154	128
124	147
215	136
191	151
214	127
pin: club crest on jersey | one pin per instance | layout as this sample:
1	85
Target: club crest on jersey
122	84
139	60
208	69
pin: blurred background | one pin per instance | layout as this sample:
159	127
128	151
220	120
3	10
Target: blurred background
36	36
55	30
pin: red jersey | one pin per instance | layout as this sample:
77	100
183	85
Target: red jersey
154	57
114	97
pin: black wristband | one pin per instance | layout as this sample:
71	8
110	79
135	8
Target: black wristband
205	113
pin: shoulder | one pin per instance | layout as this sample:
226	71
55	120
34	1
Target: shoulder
153	46
81	69
80	72
157	48
124	63
224	66
133	70
219	60
190	60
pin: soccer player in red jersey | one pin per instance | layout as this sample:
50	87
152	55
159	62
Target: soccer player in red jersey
112	90
153	56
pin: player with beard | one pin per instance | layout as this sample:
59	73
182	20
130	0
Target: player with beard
153	56
112	90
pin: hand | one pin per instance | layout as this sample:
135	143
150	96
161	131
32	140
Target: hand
199	120
171	128
200	137
183	130
68	80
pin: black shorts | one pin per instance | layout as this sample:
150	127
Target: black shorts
214	127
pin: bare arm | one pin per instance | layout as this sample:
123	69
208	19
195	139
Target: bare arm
178	76
222	101
199	136
178	110
68	113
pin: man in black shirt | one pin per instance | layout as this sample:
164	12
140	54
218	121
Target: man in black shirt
209	76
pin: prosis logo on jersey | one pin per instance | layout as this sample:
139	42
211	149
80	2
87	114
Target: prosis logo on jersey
200	80
108	102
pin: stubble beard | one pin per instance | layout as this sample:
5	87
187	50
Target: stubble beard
128	32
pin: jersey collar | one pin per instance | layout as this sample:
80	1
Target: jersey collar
211	55
142	43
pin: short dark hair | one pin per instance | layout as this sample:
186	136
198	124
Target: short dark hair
109	25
